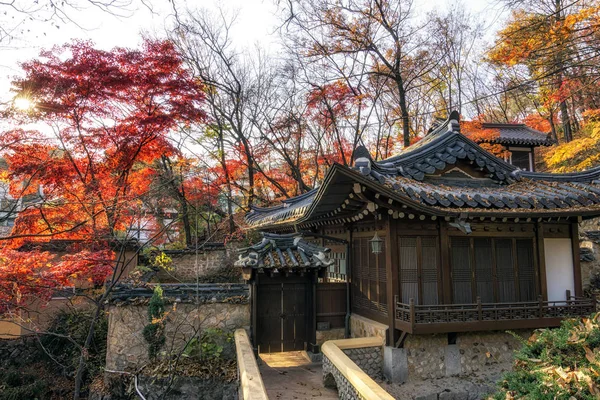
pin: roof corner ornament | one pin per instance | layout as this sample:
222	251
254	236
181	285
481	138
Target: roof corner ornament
362	160
454	119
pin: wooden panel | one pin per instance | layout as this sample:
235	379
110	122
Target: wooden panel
505	270
484	274
268	319
429	270
331	304
460	264
407	257
526	268
293	316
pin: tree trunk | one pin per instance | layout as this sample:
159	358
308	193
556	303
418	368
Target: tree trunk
566	121
404	111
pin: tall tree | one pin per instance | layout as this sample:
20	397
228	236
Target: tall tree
109	114
394	44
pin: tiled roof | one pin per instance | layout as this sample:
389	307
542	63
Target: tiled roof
284	251
182	293
519	134
445	173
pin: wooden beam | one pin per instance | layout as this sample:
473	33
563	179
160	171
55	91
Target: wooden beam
445	262
541	260
576	259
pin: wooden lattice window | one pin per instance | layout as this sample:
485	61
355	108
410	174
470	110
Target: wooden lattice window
419	272
368	277
497	270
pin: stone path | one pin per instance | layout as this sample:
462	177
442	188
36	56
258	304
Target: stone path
292	375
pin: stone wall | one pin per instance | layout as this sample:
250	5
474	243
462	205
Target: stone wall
188	267
187	388
333	378
126	347
351	365
425	355
369	359
431	357
329	334
364	327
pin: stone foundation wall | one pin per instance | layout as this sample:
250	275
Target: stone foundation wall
126	347
369	359
365	327
431	357
187	388
425	355
330	334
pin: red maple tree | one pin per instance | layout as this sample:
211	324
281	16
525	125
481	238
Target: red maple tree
106	117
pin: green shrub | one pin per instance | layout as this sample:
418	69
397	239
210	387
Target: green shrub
154	332
214	345
556	364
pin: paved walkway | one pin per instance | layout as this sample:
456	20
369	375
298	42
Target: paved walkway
291	375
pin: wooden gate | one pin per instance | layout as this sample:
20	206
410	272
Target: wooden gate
282	314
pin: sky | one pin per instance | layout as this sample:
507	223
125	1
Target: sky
257	22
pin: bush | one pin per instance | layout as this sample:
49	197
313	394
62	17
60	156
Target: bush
73	327
556	364
16	385
154	332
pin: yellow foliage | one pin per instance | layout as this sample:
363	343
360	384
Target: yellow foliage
577	155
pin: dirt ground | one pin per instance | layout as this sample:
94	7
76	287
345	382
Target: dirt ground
292	375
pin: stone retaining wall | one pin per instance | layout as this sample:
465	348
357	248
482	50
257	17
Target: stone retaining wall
187	316
349	365
431	357
364	327
369	359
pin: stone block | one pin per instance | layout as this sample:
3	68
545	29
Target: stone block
432	396
452	360
395	364
447	395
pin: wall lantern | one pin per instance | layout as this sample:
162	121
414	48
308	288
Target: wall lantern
376	244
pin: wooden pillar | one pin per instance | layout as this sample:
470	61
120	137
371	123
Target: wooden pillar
253	305
576	259
445	262
312	310
391	272
541	256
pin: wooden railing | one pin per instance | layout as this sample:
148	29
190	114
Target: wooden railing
414	318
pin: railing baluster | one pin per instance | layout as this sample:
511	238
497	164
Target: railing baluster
479	310
541	306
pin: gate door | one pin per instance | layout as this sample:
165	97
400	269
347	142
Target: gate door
281	315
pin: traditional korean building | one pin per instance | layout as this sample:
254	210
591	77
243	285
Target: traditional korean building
442	238
520	141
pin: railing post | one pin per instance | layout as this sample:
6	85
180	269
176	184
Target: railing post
411	303
479	309
540	300
396	307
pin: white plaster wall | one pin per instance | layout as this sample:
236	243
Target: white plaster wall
559	268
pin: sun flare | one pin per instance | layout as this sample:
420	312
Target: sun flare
23	103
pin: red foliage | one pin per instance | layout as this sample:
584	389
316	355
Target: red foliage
475	131
537	122
111	112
